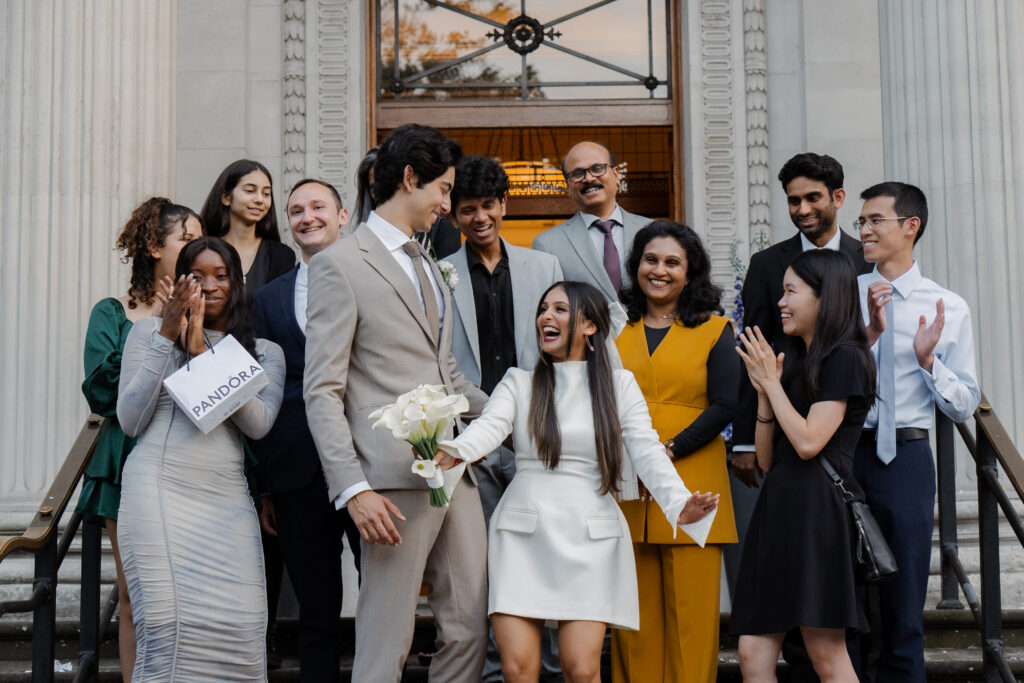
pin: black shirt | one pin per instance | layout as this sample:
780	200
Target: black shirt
492	294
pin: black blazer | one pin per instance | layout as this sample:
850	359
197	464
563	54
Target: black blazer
762	290
287	455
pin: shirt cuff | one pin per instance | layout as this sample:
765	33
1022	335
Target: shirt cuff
941	379
349	493
743	448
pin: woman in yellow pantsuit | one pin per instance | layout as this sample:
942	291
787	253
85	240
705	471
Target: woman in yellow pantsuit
682	356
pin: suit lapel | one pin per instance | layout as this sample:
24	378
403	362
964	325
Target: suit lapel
380	259
579	240
523	303
465	304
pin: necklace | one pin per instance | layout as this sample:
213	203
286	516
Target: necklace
671	316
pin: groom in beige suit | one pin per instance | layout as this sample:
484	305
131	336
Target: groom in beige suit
379	324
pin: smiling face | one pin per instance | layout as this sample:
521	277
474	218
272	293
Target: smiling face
315	218
480	221
885	237
662	274
209	270
553	323
251	199
591	195
799	307
167	255
429	202
812	209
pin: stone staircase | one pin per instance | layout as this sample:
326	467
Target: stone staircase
952	640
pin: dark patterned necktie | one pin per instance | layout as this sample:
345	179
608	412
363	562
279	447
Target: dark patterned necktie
611	254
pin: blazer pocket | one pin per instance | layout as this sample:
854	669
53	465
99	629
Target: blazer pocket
604	527
519	521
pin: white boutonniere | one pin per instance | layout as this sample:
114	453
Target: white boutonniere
448	273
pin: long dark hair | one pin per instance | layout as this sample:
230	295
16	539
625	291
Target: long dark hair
699	298
833	277
217	217
239	324
584	299
364	189
151	223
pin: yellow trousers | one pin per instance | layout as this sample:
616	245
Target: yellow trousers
679	589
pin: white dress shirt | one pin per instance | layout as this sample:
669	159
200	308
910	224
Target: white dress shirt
301	294
618	234
952	383
393	239
806	245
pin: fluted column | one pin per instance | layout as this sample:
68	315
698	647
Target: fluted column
953	124
87	100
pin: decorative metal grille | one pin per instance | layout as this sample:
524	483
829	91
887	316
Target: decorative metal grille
503	49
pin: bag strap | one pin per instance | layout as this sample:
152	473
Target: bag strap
834	476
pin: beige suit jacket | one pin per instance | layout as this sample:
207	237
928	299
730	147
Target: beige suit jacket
367	342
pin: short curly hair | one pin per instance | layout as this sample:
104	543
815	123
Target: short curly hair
699	298
479	177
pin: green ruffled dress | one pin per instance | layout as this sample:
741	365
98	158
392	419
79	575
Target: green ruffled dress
104	341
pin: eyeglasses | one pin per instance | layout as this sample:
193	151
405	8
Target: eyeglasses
876	221
578	174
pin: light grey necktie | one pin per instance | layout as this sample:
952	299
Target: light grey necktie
415	252
885	434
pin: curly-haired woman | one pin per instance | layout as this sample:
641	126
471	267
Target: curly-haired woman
150	242
680	349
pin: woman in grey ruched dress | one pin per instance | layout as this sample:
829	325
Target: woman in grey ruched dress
188	529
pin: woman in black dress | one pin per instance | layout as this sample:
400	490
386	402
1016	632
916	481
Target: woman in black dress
797	566
240	210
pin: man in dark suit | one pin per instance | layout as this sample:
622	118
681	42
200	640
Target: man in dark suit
813	184
296	507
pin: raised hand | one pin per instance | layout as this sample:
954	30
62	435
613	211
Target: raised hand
697	507
763	366
176	298
879	294
197	312
928	336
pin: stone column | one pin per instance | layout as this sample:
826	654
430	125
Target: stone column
953	124
87	129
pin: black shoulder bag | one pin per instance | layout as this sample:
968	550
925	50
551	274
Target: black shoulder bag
873	558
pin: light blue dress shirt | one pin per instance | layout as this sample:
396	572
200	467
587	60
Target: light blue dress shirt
952	383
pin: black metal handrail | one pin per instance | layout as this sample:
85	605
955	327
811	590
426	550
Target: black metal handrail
44	539
990	447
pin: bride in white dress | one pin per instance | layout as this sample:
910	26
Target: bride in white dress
559	548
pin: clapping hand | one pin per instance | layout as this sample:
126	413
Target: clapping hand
763	366
697	507
879	294
928	336
175	299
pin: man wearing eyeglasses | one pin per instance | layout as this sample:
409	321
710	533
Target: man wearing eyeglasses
924	349
592	245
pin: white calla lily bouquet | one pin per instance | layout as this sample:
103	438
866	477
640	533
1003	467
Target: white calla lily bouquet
421	417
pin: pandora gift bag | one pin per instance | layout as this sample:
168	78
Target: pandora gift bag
210	387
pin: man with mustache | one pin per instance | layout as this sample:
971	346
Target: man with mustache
813	184
592	245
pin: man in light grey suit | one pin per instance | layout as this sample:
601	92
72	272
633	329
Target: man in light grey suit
380	323
592	245
496	299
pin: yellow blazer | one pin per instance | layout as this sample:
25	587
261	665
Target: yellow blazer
674	381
